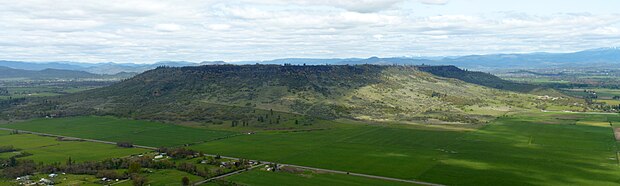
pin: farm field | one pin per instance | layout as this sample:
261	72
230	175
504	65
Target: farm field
392	152
538	148
262	177
49	150
165	177
549	148
147	133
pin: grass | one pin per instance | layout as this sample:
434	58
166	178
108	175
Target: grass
262	177
165	177
523	149
61	180
395	152
49	150
115	129
534	148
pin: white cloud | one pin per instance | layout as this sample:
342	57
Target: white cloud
362	6
167	27
434	2
197	30
218	27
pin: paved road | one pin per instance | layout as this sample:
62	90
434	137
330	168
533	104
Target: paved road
237	172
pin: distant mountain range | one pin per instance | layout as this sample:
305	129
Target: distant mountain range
100	68
603	57
48	73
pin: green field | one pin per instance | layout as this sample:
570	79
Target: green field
49	150
61	180
542	148
548	148
395	152
262	177
165	178
114	129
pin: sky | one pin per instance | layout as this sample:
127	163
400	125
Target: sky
147	31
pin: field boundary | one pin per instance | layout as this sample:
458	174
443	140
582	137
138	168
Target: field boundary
236	172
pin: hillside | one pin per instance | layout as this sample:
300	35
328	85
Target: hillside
479	78
227	92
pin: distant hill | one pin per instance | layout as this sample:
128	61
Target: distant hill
95	68
226	92
595	58
6	72
600	58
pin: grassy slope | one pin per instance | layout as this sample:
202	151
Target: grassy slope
115	129
49	150
261	177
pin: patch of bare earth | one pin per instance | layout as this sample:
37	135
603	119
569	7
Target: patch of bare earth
617	133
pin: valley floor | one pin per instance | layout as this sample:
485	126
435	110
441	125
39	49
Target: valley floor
542	148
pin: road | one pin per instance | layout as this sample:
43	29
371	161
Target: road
228	174
235	158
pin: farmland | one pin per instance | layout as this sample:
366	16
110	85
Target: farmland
262	177
541	148
165	177
517	149
50	150
121	130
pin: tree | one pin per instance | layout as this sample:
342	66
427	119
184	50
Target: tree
134	168
124	144
185	181
69	161
139	180
12	161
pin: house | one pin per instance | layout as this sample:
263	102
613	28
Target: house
159	157
53	175
23	178
44	181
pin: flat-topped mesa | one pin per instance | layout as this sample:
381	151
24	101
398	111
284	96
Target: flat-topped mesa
227	92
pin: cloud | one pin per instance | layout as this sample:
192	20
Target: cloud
167	27
196	30
218	27
361	6
434	2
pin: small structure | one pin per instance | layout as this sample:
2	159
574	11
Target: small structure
23	178
44	181
53	175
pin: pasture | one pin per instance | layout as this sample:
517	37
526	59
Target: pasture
385	151
529	148
165	177
146	133
262	177
49	150
548	148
